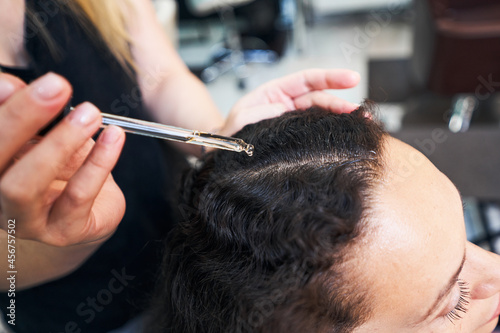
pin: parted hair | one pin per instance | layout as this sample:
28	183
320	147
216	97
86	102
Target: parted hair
265	240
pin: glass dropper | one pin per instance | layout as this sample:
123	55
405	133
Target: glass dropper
173	133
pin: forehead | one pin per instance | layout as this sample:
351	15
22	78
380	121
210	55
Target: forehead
414	242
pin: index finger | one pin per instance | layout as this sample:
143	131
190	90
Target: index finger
27	110
303	82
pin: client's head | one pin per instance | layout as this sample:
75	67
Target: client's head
332	226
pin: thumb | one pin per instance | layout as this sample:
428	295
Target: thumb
238	118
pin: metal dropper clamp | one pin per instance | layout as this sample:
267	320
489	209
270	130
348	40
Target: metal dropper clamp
173	133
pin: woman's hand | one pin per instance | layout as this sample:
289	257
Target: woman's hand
59	191
300	90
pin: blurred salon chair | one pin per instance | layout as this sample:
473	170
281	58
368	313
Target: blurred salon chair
457	53
235	52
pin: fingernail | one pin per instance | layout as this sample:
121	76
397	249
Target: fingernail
47	87
110	135
6	89
355	77
83	115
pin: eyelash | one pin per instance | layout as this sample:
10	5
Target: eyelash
461	307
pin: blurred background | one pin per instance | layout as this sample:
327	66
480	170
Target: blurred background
433	66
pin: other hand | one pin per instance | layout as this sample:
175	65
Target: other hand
300	90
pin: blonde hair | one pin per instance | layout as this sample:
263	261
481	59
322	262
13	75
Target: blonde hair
107	18
102	17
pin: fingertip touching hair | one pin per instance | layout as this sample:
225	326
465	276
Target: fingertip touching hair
265	240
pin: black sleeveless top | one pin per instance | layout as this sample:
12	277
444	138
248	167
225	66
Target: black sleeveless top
116	282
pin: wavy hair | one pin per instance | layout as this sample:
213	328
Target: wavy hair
265	240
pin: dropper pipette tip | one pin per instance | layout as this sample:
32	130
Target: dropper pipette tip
249	149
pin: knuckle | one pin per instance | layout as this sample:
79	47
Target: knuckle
62	147
77	195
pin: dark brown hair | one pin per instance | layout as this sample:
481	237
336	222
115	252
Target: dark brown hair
264	240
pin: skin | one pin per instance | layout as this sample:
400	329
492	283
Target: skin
415	244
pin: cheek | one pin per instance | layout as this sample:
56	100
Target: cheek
478	316
488	328
484	290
